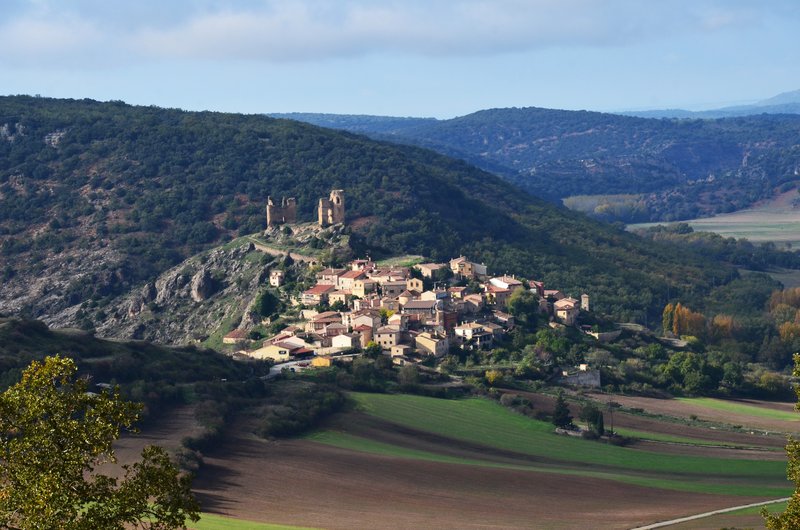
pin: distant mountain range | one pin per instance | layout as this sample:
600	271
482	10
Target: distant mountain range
668	169
784	103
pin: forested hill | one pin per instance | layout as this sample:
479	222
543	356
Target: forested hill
679	169
96	198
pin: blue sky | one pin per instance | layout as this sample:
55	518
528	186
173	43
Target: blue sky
438	58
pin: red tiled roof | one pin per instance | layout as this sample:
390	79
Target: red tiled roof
320	289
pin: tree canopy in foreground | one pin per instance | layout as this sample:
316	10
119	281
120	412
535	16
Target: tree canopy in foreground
54	434
790	519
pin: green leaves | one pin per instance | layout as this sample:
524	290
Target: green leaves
53	434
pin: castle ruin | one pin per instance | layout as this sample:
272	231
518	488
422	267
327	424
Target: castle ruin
285	213
331	210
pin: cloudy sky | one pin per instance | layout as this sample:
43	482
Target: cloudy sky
438	58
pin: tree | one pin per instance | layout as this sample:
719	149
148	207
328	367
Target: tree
53	436
790	519
561	416
593	418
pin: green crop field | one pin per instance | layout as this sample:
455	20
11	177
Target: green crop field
743	408
217	522
488	423
364	445
526	444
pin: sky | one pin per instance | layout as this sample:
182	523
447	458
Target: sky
439	58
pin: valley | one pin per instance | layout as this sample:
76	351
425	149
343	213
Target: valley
776	221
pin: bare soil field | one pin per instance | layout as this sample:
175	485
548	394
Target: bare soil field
301	482
167	432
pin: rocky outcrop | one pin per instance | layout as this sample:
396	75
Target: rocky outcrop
192	299
203	285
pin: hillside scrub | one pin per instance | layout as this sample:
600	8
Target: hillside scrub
145	188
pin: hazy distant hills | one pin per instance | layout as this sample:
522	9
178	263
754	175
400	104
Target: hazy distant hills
677	169
785	103
98	198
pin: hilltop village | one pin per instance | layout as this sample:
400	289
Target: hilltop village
410	312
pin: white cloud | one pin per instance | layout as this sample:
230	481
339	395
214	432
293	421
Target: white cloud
88	31
49	40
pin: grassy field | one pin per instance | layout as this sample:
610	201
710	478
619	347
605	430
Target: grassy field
742	408
357	443
217	522
484	422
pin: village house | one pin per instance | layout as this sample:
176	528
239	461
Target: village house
332	330
235	336
329	276
362	265
347	279
566	311
369	317
474	334
473	303
318	323
317	295
347	341
419	309
401	350
463	268
457	292
393	289
399	320
428	270
439	294
405	297
341	297
388	336
365	332
429	344
537	287
371	301
322	361
497	296
276	277
504	319
415	284
506	282
362	287
554	293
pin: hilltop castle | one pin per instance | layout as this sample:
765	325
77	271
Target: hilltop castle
285	213
331	210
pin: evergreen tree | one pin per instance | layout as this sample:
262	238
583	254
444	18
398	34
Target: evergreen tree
561	415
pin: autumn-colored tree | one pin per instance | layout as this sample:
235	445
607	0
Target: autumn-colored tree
687	322
789	519
666	318
723	326
493	376
54	434
789	331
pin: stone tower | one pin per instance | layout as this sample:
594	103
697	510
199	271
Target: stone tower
331	210
585	302
285	213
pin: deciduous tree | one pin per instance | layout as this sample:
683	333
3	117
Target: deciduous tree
54	434
790	519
